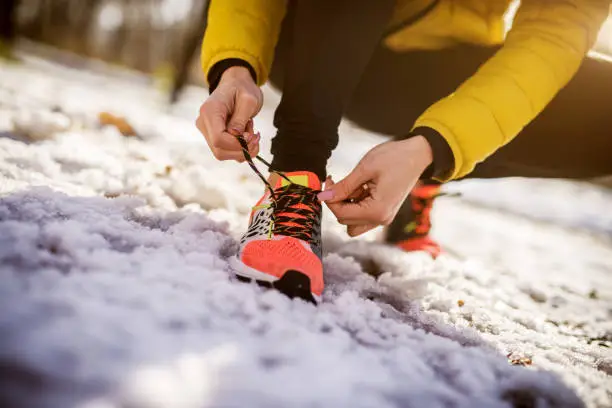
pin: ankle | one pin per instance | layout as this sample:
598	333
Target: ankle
273	179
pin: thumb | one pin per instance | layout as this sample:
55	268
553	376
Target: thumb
245	108
345	188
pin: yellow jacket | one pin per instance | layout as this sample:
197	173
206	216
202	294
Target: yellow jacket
541	53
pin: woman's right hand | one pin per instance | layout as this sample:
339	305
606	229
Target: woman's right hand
228	112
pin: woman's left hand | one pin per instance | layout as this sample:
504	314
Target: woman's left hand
389	171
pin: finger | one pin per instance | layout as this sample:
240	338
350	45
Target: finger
254	140
249	133
254	148
250	127
368	211
200	126
251	137
212	118
212	125
245	108
360	194
225	141
222	154
347	187
356	230
252	143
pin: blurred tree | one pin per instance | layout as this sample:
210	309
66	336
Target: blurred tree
155	36
7	28
147	35
190	47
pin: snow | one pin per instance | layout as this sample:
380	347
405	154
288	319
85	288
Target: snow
116	291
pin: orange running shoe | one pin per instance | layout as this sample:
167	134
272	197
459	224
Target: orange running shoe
410	228
282	247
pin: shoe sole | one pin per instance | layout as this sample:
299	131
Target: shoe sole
293	284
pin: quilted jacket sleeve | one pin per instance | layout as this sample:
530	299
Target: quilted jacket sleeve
542	52
243	29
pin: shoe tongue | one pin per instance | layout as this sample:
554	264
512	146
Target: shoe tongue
303	178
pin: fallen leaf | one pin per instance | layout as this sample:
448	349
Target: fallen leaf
120	123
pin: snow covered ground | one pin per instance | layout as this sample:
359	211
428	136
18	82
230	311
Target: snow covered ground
115	289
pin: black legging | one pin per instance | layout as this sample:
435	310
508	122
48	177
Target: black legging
330	62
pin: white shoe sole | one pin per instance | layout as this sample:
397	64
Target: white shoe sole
246	271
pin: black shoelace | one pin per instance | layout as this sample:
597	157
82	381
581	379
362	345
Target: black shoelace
295	208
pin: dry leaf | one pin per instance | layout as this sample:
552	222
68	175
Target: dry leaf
122	125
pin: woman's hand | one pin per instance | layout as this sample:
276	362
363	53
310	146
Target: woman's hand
389	171
228	112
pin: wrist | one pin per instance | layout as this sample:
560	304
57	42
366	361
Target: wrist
443	159
236	72
220	69
420	150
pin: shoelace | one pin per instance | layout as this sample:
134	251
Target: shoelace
294	207
295	212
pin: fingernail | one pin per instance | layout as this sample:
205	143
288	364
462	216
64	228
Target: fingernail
235	132
325	195
254	139
248	137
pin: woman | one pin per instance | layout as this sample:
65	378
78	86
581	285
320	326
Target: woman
438	76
